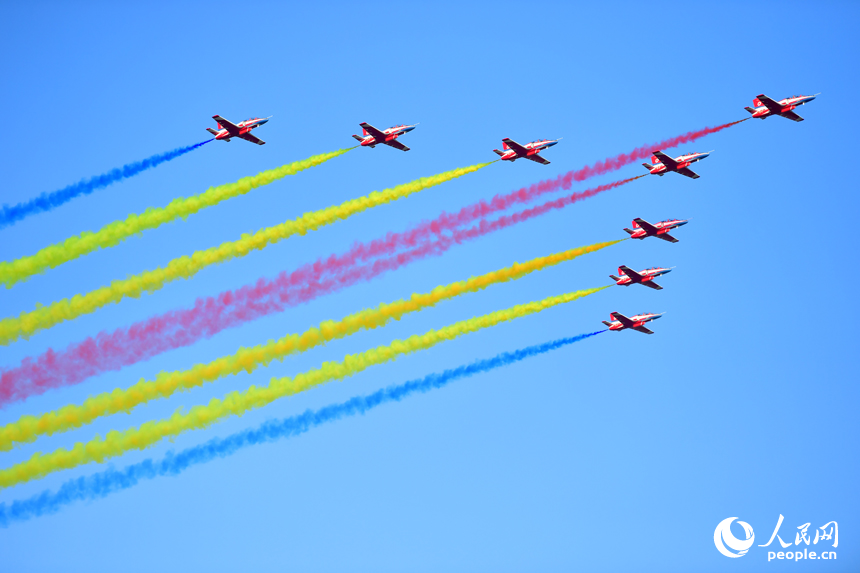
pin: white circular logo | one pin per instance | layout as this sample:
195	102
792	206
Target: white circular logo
726	542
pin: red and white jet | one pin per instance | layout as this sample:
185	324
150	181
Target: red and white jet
766	107
636	322
642	229
511	150
227	129
373	137
663	164
644	278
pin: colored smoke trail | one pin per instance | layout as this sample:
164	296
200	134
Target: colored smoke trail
110	351
237	403
28	428
111	481
11	214
13	272
28	323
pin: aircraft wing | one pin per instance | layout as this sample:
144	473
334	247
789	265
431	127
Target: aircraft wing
649	228
769	103
377	134
396	145
252	138
630	273
667	237
537	159
687	172
522	151
666	160
231	127
622	319
791	115
653	285
643	329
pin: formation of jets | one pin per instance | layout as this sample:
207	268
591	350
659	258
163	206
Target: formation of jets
511	151
626	276
662	164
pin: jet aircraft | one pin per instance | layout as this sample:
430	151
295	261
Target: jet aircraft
227	129
644	278
636	322
511	150
642	229
664	164
371	137
766	107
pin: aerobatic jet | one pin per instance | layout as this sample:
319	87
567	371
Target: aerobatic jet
663	164
642	229
511	150
228	130
766	107
645	278
371	137
636	322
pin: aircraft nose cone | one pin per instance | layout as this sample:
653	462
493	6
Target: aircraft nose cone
665	271
682	223
551	143
410	128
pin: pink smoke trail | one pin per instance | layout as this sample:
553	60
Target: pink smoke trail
645	151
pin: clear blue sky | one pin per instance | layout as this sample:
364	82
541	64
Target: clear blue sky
618	453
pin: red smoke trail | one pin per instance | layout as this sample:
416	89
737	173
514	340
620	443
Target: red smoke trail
644	152
111	351
176	329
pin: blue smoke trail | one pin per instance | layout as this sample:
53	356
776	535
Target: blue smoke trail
111	481
11	214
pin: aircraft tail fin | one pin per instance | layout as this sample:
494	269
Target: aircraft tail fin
505	145
648	166
613	277
757	102
606	323
357	138
499	152
629	231
212	131
749	109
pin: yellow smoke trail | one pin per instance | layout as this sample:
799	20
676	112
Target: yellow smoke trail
237	403
28	428
43	317
13	272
